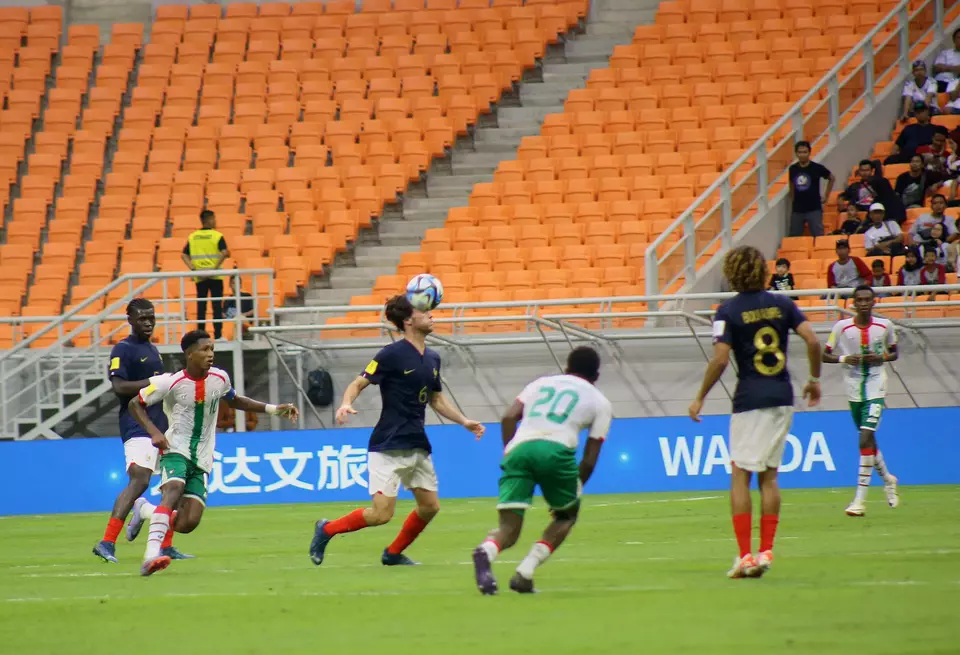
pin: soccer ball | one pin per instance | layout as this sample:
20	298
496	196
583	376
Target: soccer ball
424	292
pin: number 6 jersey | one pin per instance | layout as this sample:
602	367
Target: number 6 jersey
558	407
756	325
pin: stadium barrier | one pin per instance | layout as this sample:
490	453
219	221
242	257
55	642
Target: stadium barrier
641	455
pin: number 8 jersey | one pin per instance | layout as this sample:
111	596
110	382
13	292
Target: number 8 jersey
558	407
756	325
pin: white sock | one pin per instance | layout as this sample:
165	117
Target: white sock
146	511
867	463
538	555
491	548
881	467
159	525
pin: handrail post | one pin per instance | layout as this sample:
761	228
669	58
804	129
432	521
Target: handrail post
726	214
937	20
652	270
903	27
869	83
796	119
833	108
690	248
763	178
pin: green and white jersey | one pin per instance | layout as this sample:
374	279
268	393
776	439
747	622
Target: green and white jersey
191	407
558	407
847	338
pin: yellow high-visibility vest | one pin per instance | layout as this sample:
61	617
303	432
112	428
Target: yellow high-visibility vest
204	247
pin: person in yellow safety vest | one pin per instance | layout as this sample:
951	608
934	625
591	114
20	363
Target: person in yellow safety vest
205	250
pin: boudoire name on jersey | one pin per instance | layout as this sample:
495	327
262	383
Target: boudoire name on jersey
763	314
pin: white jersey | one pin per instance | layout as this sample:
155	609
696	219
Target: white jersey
191	407
863	382
558	407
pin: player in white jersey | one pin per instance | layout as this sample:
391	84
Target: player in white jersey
551	412
863	345
190	398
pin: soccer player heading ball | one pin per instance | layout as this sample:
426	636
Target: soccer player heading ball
551	411
755	325
191	398
408	374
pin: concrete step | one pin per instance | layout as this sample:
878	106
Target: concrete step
522	116
437	182
380	255
592	49
411	229
328	297
600	7
350	277
502	135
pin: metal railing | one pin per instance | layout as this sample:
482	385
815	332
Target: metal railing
58	362
755	180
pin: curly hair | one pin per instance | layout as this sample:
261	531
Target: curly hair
397	310
745	269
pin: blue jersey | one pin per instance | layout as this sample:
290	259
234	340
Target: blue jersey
756	326
406	379
130	360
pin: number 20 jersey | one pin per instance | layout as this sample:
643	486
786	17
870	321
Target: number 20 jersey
756	326
558	407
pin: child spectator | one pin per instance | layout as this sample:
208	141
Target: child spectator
782	280
932	272
880	277
847	272
909	274
851	222
936	243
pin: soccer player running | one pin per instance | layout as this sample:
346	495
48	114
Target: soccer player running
755	325
408	374
132	362
191	398
551	412
863	344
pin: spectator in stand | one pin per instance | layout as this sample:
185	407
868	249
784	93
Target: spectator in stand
847	272
946	67
872	187
919	88
937	244
921	229
883	237
851	222
914	135
880	277
932	272
909	273
205	250
782	280
806	201
914	184
936	155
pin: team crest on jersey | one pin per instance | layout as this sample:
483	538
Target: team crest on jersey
434	372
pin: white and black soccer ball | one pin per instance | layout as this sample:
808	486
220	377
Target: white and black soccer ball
424	292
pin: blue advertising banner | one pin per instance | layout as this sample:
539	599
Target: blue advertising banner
644	454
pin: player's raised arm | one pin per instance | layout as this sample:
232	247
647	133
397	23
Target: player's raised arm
449	411
244	404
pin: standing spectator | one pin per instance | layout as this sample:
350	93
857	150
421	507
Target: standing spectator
883	237
205	251
913	185
806	201
932	272
946	67
880	277
782	280
847	272
871	187
909	273
914	135
919	88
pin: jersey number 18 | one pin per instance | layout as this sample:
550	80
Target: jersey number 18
566	400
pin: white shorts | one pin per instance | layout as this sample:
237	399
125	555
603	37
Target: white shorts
413	468
758	437
140	451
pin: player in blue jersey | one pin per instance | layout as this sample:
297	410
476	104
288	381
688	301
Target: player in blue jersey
132	362
755	325
408	374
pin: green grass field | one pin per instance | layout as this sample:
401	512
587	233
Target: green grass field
641	574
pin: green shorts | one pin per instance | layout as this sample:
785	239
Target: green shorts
866	413
548	464
174	466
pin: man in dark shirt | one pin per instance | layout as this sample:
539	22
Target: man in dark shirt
914	135
806	201
871	188
755	325
408	374
133	362
912	185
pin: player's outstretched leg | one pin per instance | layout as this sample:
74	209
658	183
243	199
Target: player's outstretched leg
889	480
142	513
428	506
769	520
504	537
139	481
553	536
868	459
379	513
742	509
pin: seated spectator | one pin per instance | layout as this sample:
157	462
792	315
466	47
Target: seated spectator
919	88
909	273
882	237
851	222
932	272
936	155
806	201
782	280
946	67
913	185
914	135
937	244
871	187
920	231
880	277
847	272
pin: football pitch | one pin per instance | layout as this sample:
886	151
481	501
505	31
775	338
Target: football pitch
641	573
